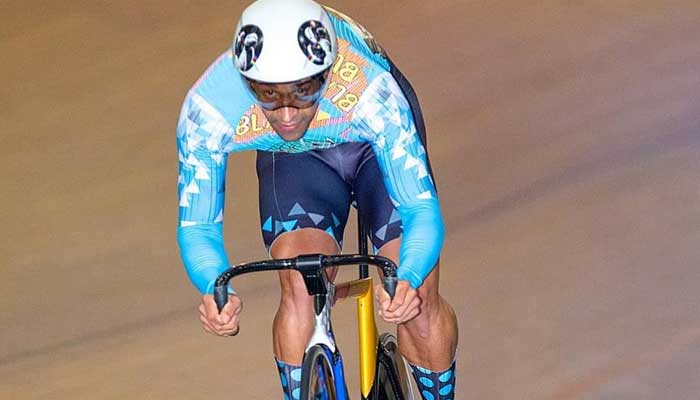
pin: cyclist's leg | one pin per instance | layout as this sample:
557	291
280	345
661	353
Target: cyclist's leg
304	204
435	328
436	316
293	322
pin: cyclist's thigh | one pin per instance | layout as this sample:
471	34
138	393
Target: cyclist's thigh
302	190
375	207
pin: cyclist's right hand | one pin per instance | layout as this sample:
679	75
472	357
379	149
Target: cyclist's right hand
224	324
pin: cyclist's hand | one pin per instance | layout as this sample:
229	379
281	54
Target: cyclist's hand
404	307
224	324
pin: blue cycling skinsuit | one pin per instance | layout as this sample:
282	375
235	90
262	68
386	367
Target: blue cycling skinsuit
366	109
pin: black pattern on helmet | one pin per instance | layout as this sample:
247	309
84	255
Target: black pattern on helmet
248	46
315	41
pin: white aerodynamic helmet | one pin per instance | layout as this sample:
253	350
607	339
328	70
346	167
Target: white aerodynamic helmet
279	41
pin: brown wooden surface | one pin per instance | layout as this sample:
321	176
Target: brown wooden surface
565	139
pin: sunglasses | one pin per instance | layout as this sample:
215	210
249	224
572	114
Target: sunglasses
299	94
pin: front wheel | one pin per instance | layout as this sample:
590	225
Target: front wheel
317	381
391	376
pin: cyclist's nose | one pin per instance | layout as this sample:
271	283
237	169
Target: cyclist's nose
288	114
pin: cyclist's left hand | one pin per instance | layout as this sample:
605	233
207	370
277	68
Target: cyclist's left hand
224	323
404	307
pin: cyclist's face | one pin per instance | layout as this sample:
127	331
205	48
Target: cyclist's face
289	107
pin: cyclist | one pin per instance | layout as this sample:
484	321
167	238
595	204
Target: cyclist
335	123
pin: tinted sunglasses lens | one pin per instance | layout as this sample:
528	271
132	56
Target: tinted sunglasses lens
300	95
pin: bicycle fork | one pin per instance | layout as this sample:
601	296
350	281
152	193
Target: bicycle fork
323	335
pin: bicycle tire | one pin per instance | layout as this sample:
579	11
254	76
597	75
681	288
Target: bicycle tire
391	380
317	380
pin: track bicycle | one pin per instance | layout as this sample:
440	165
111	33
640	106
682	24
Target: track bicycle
383	373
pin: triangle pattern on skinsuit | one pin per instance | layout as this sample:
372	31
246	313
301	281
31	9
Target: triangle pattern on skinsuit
327	108
190	126
317	218
335	220
330	231
192	160
278	227
267	226
289	225
322	116
184	200
425	195
422	171
202	174
398	152
218	158
381	232
192	188
193	141
394	216
297	210
411	162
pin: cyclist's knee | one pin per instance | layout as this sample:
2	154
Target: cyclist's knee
294	295
423	325
434	309
303	241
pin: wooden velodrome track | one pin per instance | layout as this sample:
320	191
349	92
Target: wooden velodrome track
565	137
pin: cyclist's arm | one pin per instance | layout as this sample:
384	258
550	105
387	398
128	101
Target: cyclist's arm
201	184
387	119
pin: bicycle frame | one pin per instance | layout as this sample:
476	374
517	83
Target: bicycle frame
362	291
325	295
